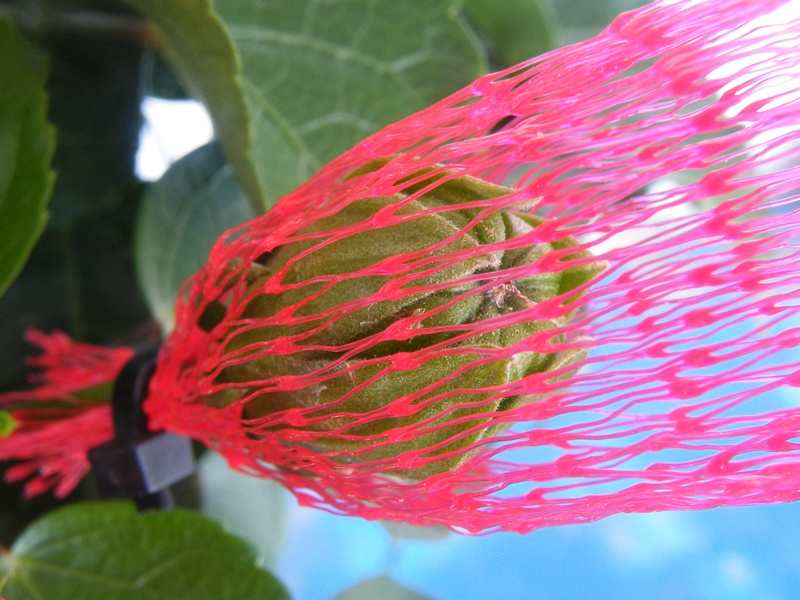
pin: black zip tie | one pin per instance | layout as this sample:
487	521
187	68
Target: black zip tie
138	463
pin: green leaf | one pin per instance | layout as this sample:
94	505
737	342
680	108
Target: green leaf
290	84
581	19
181	216
380	587
196	42
109	551
159	78
515	30
250	508
27	143
80	277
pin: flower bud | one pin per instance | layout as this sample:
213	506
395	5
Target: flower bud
344	329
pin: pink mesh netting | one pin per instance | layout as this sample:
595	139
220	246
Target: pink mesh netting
61	418
663	157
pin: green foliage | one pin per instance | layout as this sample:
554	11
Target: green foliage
79	277
181	216
313	87
195	40
26	149
109	551
291	84
515	30
581	19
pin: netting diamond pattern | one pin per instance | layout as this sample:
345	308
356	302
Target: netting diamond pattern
661	158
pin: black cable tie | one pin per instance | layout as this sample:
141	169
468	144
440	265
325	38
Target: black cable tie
138	463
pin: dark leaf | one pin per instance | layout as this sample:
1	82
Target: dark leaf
26	149
109	551
515	30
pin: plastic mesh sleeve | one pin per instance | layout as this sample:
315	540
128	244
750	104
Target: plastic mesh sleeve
566	291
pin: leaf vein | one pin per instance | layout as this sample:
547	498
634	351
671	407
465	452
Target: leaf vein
45	567
258	36
284	127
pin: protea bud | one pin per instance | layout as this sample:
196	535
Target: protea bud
668	146
487	269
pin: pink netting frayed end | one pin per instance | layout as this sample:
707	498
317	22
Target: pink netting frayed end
63	416
614	330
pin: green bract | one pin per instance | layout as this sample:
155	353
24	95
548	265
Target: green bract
357	410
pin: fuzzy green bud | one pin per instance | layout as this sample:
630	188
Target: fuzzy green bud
357	426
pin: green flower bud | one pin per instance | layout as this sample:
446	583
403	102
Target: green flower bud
364	424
